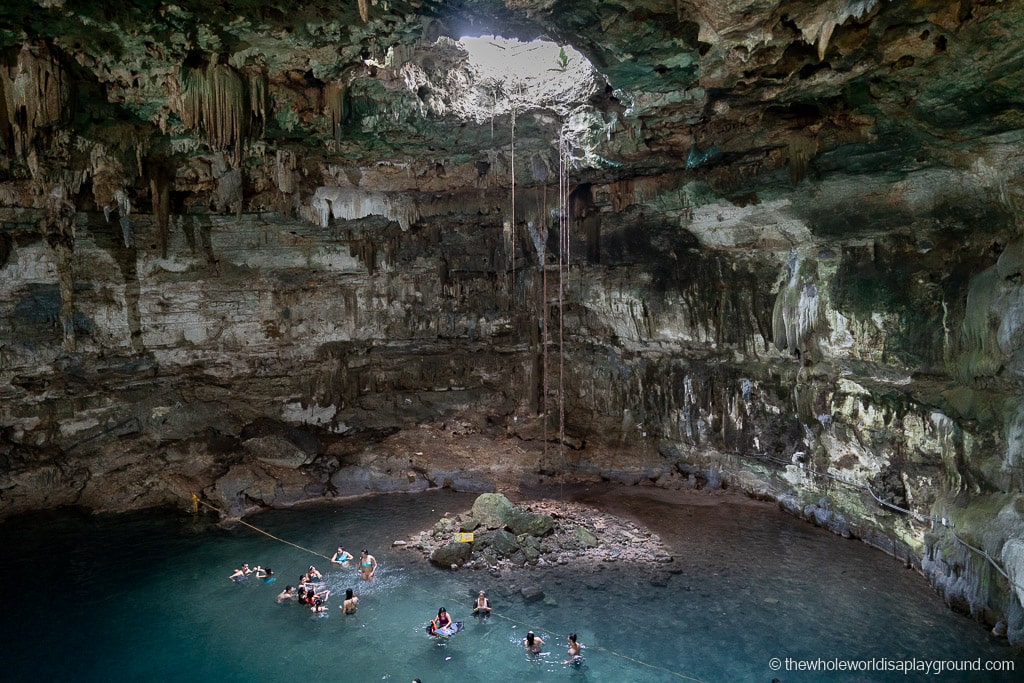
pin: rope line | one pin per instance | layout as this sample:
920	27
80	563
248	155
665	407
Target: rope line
197	501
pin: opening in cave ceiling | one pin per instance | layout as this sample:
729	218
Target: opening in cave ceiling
512	76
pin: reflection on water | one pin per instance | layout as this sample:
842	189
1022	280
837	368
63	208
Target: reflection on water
147	596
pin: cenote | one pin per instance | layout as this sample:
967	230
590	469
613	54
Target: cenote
146	596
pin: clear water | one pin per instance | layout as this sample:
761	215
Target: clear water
145	597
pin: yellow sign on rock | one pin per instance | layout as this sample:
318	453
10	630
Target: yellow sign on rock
465	537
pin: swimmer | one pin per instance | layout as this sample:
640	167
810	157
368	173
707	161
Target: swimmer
442	621
241	573
342	557
315	601
533	643
262	573
575	657
318	602
313	575
351	600
367	565
482	606
287	594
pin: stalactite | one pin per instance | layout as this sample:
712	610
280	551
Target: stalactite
364	10
108	189
215	100
801	151
334	106
58	228
36	92
160	196
258	100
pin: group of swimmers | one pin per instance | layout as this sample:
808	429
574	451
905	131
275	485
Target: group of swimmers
312	593
443	625
259	572
535	644
367	562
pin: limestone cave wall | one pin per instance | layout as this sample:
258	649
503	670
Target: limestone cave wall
265	255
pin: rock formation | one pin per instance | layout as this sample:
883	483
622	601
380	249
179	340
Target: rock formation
774	246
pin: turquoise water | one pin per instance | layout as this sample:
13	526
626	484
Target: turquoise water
145	597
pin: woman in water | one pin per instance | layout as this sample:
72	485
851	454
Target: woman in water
349	606
367	564
482	607
314	575
533	643
441	622
341	557
575	657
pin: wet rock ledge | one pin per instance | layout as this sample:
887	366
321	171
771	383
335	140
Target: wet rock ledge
543	533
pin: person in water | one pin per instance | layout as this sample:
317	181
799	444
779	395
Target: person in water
482	606
264	574
442	621
367	564
313	575
351	600
315	601
241	573
533	643
342	557
575	656
287	594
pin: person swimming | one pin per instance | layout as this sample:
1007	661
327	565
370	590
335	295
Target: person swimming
351	600
342	557
575	654
242	573
367	564
441	622
482	606
314	575
287	594
533	643
315	601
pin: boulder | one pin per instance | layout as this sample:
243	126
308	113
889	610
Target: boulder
586	539
523	522
451	554
532	593
492	510
504	543
277	451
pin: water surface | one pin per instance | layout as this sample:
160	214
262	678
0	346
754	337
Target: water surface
146	596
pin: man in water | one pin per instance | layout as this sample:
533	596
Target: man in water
241	573
287	594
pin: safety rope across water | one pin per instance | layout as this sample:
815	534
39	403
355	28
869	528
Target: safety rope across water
196	502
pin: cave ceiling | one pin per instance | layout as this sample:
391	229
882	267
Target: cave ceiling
115	101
